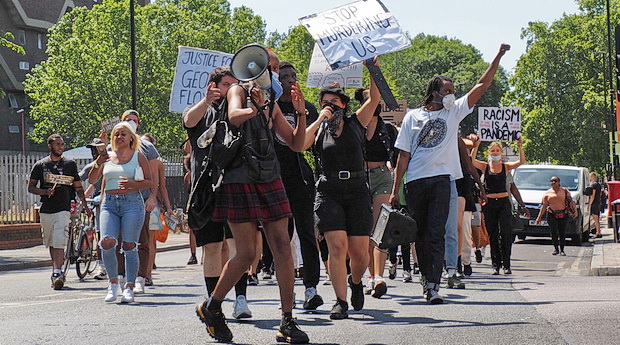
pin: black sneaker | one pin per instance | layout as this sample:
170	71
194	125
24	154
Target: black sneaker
148	282
495	271
416	268
433	297
58	281
215	321
507	270
192	260
357	294
555	252
289	332
467	271
455	282
478	256
312	299
339	310
252	279
392	272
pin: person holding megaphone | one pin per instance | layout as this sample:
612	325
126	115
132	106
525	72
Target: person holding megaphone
252	189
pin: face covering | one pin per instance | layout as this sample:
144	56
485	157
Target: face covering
133	125
338	114
447	101
276	85
495	158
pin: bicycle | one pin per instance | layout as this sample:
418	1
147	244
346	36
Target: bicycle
81	241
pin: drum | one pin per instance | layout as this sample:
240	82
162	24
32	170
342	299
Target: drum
393	228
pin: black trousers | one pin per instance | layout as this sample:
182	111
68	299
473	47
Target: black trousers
497	215
428	201
406	254
558	230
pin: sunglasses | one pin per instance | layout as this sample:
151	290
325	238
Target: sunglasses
553	181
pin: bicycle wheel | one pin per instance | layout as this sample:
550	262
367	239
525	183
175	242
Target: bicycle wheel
68	251
85	255
94	257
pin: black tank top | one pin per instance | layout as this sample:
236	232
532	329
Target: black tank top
344	152
495	183
376	147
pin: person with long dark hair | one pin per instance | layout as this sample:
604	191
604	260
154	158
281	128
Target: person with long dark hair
429	154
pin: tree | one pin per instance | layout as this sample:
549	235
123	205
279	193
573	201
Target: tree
559	83
6	40
87	77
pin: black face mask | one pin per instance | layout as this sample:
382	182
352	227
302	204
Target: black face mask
338	114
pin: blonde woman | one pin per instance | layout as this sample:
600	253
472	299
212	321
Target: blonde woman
122	207
497	211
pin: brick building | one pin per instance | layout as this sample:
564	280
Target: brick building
28	21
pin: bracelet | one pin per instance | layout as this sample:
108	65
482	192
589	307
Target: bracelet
306	113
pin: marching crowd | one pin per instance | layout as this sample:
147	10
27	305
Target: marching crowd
254	187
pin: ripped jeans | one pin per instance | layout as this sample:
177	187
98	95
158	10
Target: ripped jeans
122	214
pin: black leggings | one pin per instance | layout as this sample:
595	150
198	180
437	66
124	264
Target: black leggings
557	227
406	254
497	217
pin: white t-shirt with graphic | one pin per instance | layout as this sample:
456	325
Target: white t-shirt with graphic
431	138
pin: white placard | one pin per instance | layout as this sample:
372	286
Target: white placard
320	74
355	32
499	123
108	125
191	76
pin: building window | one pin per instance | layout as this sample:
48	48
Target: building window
12	101
40	41
24	65
21	37
14	129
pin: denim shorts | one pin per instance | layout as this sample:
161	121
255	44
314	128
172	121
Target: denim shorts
122	214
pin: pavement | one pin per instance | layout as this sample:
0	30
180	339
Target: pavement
605	256
38	256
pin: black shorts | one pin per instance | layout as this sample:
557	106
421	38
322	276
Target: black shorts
213	232
595	209
348	210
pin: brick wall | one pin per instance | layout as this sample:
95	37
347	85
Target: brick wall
20	236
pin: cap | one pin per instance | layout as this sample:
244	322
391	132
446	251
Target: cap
94	143
336	91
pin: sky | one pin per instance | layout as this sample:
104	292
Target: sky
485	24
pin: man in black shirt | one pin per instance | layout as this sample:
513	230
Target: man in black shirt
595	203
298	181
56	195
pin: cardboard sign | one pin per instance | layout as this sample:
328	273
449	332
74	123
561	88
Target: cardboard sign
396	116
191	77
499	123
320	73
59	179
171	222
355	32
107	125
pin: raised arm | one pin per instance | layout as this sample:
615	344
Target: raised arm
294	137
471	168
473	96
237	112
365	112
474	152
198	110
521	161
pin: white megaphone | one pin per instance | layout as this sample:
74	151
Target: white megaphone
250	63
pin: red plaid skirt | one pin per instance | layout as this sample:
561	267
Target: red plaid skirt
244	203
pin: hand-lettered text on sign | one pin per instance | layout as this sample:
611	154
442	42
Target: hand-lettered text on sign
499	123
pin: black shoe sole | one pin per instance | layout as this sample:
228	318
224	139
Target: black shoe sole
210	329
338	316
380	290
313	303
286	339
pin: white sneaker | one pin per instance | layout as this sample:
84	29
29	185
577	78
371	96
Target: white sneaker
370	285
101	273
127	296
407	277
241	310
112	292
139	287
121	284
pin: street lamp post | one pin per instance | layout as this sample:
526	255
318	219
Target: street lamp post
132	27
21	113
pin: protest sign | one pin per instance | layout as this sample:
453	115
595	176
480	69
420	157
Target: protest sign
59	179
191	76
499	123
320	73
108	125
355	32
396	116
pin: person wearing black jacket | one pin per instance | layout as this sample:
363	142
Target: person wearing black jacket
298	181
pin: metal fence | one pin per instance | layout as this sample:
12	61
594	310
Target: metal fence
18	206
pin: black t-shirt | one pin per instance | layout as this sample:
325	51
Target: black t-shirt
293	166
344	152
61	199
198	154
597	197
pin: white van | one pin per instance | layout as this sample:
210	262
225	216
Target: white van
533	181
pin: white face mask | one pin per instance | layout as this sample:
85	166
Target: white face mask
495	158
448	101
133	125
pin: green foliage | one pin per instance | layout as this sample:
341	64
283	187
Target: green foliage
560	84
87	78
7	40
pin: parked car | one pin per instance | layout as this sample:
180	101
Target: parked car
533	181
